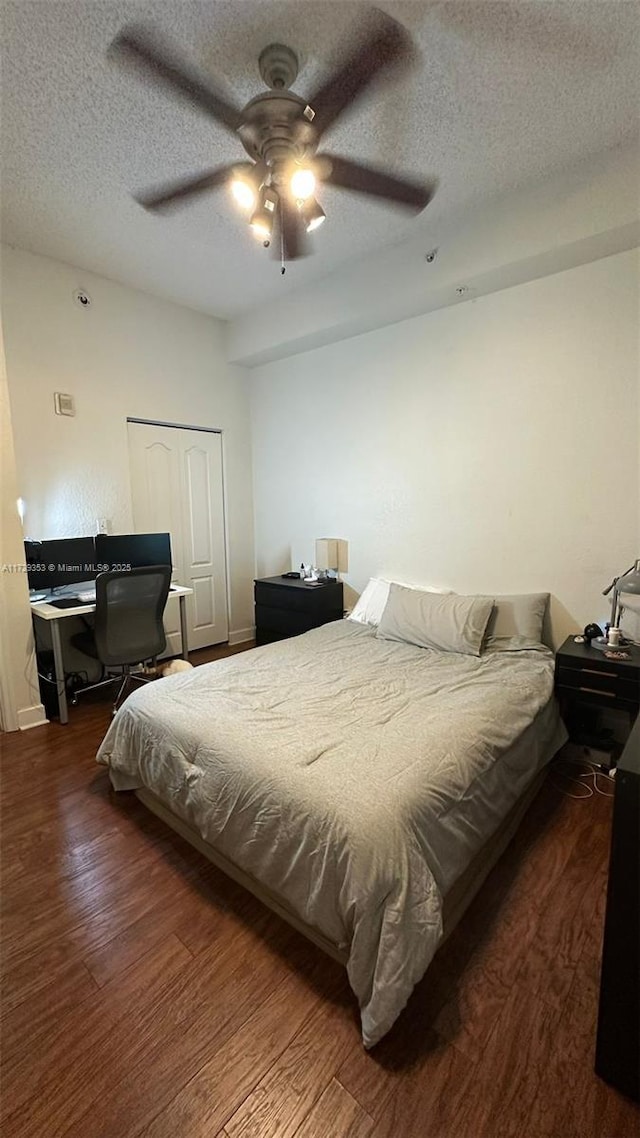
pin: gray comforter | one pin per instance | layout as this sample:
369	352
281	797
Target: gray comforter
354	777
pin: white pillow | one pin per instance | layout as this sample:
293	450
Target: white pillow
371	603
447	623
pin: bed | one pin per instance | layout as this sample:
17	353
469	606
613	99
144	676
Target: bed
360	786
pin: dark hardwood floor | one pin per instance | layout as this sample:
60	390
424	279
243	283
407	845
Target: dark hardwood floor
144	994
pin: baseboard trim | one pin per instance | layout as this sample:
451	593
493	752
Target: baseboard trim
31	717
241	635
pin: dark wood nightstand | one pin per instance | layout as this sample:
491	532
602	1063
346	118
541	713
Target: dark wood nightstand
587	681
286	607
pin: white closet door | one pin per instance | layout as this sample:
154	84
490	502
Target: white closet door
176	485
203	559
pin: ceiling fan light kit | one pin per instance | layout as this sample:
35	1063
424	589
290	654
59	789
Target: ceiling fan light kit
313	214
302	183
245	185
281	132
263	217
243	193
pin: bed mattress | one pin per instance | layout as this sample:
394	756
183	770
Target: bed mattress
355	778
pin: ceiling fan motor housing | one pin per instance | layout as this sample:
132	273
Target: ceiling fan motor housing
274	128
278	66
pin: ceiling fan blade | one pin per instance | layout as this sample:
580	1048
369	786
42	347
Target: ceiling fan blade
138	46
386	43
173	193
369	180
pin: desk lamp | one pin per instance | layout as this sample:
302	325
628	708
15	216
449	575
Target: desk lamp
627	582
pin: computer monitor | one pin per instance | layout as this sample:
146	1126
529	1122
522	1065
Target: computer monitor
37	575
132	550
59	562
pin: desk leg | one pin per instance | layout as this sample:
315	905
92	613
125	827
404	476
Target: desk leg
59	671
183	628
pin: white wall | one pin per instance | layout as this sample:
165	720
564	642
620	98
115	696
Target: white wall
129	354
20	705
491	446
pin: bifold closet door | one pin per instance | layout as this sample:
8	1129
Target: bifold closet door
176	485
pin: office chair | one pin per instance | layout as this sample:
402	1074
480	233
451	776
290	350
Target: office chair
128	626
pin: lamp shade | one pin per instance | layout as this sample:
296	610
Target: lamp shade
326	553
630	583
332	553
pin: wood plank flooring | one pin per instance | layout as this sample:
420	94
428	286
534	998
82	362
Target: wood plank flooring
144	995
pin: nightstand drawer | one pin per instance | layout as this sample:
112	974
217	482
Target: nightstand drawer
599	680
303	598
598	699
286	622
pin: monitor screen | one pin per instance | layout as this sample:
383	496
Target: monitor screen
132	550
37	575
62	561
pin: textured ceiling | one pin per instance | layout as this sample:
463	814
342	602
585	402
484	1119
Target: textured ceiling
503	94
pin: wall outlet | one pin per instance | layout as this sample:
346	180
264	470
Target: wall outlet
103	525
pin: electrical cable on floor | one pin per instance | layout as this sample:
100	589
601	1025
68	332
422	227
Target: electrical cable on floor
593	773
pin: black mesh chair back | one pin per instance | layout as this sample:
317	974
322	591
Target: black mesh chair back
129	609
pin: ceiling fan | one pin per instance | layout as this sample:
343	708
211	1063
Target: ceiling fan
281	132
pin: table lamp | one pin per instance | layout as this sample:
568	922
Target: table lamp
627	582
331	555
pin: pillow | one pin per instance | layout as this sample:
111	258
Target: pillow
448	623
516	622
370	605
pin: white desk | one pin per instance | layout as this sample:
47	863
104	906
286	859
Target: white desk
45	611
